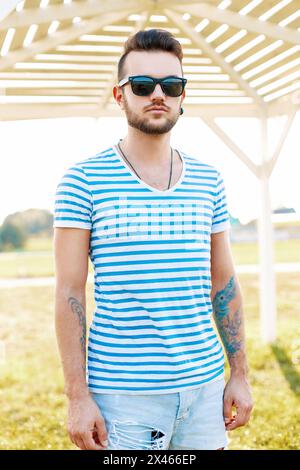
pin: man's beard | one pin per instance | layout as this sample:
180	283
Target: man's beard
145	126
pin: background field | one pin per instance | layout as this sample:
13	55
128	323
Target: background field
32	403
37	259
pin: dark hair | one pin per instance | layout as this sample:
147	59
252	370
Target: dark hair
150	40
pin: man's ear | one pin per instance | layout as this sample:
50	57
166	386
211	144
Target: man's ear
182	96
118	95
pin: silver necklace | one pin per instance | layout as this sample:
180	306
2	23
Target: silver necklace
171	164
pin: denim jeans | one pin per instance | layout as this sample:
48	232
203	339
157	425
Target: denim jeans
191	419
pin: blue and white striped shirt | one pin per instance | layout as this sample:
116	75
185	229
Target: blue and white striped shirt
152	330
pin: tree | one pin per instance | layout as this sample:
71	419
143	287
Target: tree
33	221
12	236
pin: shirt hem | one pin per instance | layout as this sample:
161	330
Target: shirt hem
72	225
155	392
220	227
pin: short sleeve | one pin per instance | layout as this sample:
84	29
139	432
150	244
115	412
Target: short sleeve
73	204
221	220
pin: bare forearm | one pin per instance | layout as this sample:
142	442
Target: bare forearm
229	319
70	324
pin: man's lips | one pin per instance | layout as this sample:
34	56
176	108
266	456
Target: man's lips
158	109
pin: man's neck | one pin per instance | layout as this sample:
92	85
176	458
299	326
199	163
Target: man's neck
146	149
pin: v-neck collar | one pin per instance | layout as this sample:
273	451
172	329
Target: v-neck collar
143	183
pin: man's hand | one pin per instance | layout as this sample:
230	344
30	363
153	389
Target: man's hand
237	393
86	426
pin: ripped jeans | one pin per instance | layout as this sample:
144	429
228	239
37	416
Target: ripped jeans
189	420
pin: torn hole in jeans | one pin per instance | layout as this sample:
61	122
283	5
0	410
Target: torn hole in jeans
134	435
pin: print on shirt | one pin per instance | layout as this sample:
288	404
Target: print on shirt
123	219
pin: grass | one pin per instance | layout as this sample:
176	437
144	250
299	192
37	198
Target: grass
28	264
41	243
33	406
38	260
285	251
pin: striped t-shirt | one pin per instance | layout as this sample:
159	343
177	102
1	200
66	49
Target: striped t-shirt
152	330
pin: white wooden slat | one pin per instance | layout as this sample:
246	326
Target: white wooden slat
61	37
6	7
200	42
205	10
87	8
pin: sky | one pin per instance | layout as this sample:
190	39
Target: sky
34	154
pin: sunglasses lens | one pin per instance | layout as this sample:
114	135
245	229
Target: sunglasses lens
142	86
173	87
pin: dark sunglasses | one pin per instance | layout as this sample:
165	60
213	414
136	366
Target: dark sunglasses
143	85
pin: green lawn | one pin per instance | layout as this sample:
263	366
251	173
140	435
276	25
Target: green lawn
38	260
33	406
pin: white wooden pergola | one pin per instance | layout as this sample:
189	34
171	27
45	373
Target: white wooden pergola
58	58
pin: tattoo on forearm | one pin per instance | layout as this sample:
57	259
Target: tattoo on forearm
223	297
78	309
231	333
228	324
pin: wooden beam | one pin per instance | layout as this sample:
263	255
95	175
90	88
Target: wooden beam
203	10
267	281
62	37
199	41
52	75
67	12
284	105
272	162
219	110
18	111
88	8
22	111
232	145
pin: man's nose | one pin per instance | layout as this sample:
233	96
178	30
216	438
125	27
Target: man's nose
157	92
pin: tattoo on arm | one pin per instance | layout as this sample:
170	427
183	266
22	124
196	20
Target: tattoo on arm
78	309
228	324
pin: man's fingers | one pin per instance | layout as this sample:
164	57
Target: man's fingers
89	442
227	410
93	439
101	432
234	423
241	418
85	441
79	442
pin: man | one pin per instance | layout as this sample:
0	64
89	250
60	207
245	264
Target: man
155	224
